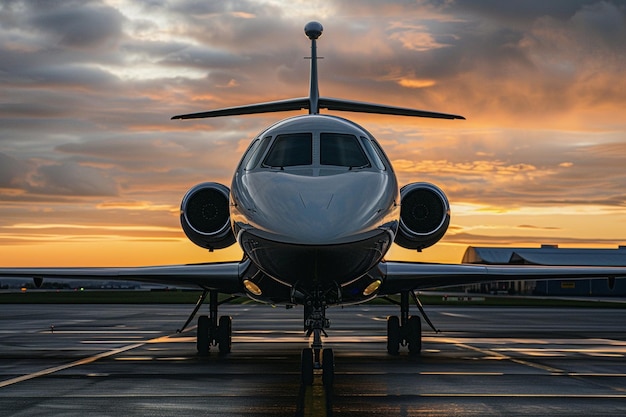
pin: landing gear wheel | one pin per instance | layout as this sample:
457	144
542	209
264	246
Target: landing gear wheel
306	366
328	367
393	335
224	334
203	337
414	335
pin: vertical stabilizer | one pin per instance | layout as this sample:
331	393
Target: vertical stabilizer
314	102
313	30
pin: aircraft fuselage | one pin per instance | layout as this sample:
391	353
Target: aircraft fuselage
315	202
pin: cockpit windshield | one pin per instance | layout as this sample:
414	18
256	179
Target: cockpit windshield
342	150
313	153
290	150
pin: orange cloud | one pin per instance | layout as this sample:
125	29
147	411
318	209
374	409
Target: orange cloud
416	83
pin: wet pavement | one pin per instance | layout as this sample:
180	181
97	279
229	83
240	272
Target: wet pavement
127	360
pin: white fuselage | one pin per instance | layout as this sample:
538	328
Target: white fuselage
325	216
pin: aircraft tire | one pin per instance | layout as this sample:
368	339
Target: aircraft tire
306	366
414	335
203	342
328	367
393	335
224	332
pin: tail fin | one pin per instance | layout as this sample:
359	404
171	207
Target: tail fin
314	102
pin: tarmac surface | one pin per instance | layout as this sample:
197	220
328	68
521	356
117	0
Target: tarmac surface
127	360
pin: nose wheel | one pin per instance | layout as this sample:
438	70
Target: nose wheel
310	361
307	366
315	357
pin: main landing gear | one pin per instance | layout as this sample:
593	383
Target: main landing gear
316	357
406	330
211	331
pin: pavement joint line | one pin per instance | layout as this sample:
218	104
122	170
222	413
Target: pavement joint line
504	395
79	362
551	370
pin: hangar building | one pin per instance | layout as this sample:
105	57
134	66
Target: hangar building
551	255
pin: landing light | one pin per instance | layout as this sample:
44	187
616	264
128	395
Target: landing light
371	289
252	287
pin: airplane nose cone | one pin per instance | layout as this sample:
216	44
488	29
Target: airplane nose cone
320	210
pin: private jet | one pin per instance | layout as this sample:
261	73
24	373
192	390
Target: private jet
315	205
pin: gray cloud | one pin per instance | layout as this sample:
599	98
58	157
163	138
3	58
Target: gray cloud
65	179
12	171
202	57
78	25
70	179
522	12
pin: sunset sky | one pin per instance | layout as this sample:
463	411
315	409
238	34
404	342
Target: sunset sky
92	169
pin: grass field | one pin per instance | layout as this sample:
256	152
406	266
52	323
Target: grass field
190	297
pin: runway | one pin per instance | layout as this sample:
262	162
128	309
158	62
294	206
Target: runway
126	360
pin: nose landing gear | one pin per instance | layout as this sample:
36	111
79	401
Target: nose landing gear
315	357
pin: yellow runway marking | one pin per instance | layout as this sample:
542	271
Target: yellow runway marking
501	356
314	402
68	365
90	359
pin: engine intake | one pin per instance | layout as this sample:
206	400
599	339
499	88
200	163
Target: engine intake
205	217
424	216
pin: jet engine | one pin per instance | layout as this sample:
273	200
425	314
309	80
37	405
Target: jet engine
424	216
205	217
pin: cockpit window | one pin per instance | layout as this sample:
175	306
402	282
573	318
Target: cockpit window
255	153
381	155
249	153
290	150
342	150
367	144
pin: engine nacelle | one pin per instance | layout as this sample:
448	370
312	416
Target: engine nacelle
205	217
424	215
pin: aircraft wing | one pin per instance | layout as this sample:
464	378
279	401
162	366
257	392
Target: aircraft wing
224	277
408	276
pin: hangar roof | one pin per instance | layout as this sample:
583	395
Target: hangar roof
546	255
